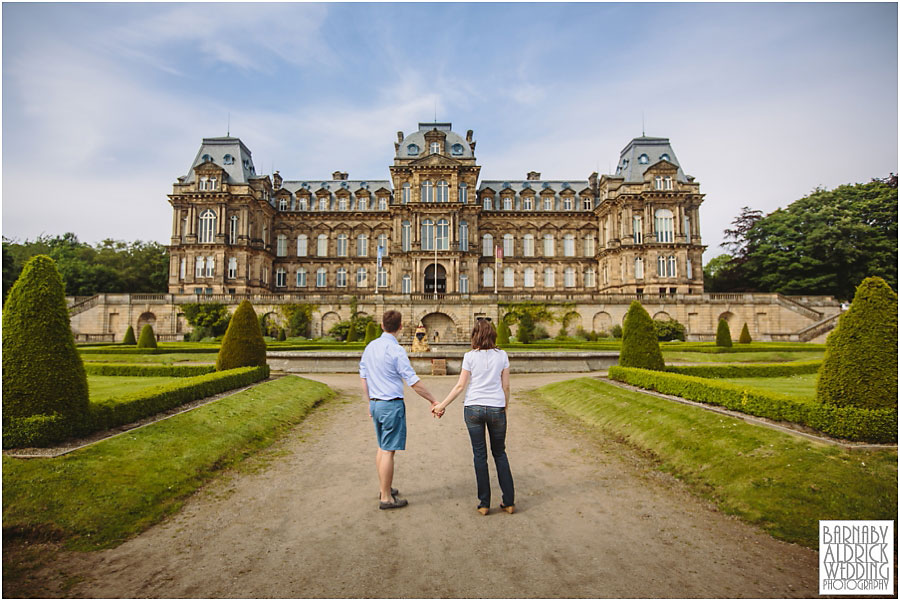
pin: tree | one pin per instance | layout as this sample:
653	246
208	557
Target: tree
129	336
42	370
243	345
10	270
298	318
640	347
503	333
343	330
723	334
282	336
525	333
668	329
860	366
209	319
744	338
148	338
371	332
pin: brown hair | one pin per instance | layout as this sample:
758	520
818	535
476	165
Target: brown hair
484	336
390	321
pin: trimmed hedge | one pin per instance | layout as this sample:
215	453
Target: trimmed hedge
146	351
723	334
148	338
371	332
640	345
44	430
243	345
757	370
144	370
129	336
745	338
850	423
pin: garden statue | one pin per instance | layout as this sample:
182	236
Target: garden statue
420	342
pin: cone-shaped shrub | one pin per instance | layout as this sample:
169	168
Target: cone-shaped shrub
503	334
243	345
351	333
723	334
860	366
148	338
42	371
371	332
129	336
744	338
282	336
640	346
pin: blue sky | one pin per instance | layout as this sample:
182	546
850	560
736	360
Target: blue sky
104	105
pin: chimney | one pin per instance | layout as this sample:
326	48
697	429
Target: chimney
276	177
399	137
339	176
533	176
469	135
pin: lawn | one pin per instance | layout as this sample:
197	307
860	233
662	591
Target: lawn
107	387
802	386
781	482
740	357
162	359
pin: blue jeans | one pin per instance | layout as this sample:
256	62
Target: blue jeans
477	417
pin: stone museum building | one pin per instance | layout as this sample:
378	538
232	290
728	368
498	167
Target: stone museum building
445	247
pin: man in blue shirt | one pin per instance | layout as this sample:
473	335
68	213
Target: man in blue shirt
383	368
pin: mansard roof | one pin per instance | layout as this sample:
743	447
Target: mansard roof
537	186
644	152
334	185
239	170
418	139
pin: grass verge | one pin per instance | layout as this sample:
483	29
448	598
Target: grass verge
802	386
740	357
99	496
162	359
780	482
103	388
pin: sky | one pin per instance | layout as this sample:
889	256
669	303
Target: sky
105	105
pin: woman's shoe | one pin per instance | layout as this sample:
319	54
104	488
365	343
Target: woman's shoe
483	510
508	508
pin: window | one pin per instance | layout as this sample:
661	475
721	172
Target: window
382	277
509	245
342	277
488	203
589	278
528	279
528	203
671	271
342	245
280	278
184	227
265	275
443	235
660	266
443	191
321	277
549	250
567	203
589	245
428	235
383	244
463	236
282	204
265	234
690	270
435	147
643	159
587	203
301	245
323	204
183	269
213	183
342	203
382	204
548	203
463	284
549	278
362	245
664	223
322	245
412	149
665	157
569	277
687	229
569	245
207	229
487	279
406	284
281	245
528	245
301	278
639	268
404	193
456	149
658	182
463	193
302	203
427	191
206	158
362	204
228	159
507	203
210	267
638	229
668	182
233	229
405	235
362	277
508	277
487	246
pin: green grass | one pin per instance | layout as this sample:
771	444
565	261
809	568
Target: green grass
98	496
162	359
740	357
780	482
108	387
801	386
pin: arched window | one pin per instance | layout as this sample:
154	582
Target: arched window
488	203
322	245
687	229
213	183
549	277
664	226
280	278
207	229
210	267
206	158
589	278
406	284
383	244
228	159
232	268
404	193
362	277
456	149
427	191
549	246
487	277
463	283
301	278
443	191
638	229
589	248
661	266
382	277
362	245
342	245
689	270
528	277
667	182
463	236
233	229
638	268
671	271
321	277
443	234
265	234
509	245
528	245
508	277
281	245
658	182
569	245
412	149
463	193
427	234
643	159
569	277
342	277
665	157
405	235
302	245
487	246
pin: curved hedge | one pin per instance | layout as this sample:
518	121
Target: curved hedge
42	372
243	345
148	338
144	370
129	336
640	345
754	370
850	423
723	334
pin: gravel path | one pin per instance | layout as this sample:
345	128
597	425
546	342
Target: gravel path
594	520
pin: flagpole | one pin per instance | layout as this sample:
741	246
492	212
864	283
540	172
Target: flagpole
434	278
496	267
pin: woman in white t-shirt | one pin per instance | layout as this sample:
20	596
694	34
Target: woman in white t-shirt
485	369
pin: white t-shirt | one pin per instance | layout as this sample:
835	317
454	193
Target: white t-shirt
484	385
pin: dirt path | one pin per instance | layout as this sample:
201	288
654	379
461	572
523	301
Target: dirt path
595	521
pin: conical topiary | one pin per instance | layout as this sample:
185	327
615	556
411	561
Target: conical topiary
744	338
282	335
371	332
42	371
148	338
243	345
351	332
640	345
860	366
723	334
129	336
503	334
525	332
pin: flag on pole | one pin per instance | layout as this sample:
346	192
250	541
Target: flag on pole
499	254
379	255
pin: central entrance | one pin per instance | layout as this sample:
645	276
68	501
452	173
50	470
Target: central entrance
435	282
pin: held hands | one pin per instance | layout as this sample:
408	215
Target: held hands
437	409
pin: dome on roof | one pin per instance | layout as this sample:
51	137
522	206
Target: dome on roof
414	146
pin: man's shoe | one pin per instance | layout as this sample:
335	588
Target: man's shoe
508	508
394	503
483	510
394	493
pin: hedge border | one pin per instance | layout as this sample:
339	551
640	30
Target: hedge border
758	370
849	423
146	351
44	430
144	370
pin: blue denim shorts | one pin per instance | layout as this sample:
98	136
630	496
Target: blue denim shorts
390	424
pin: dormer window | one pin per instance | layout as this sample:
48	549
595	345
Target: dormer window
412	149
206	158
658	182
342	203
488	203
507	203
382	203
435	147
665	157
643	159
567	203
282	204
456	149
587	203
228	159
668	182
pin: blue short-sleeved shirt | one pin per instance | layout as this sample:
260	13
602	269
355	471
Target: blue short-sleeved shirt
385	366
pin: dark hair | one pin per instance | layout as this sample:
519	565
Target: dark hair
484	336
390	321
